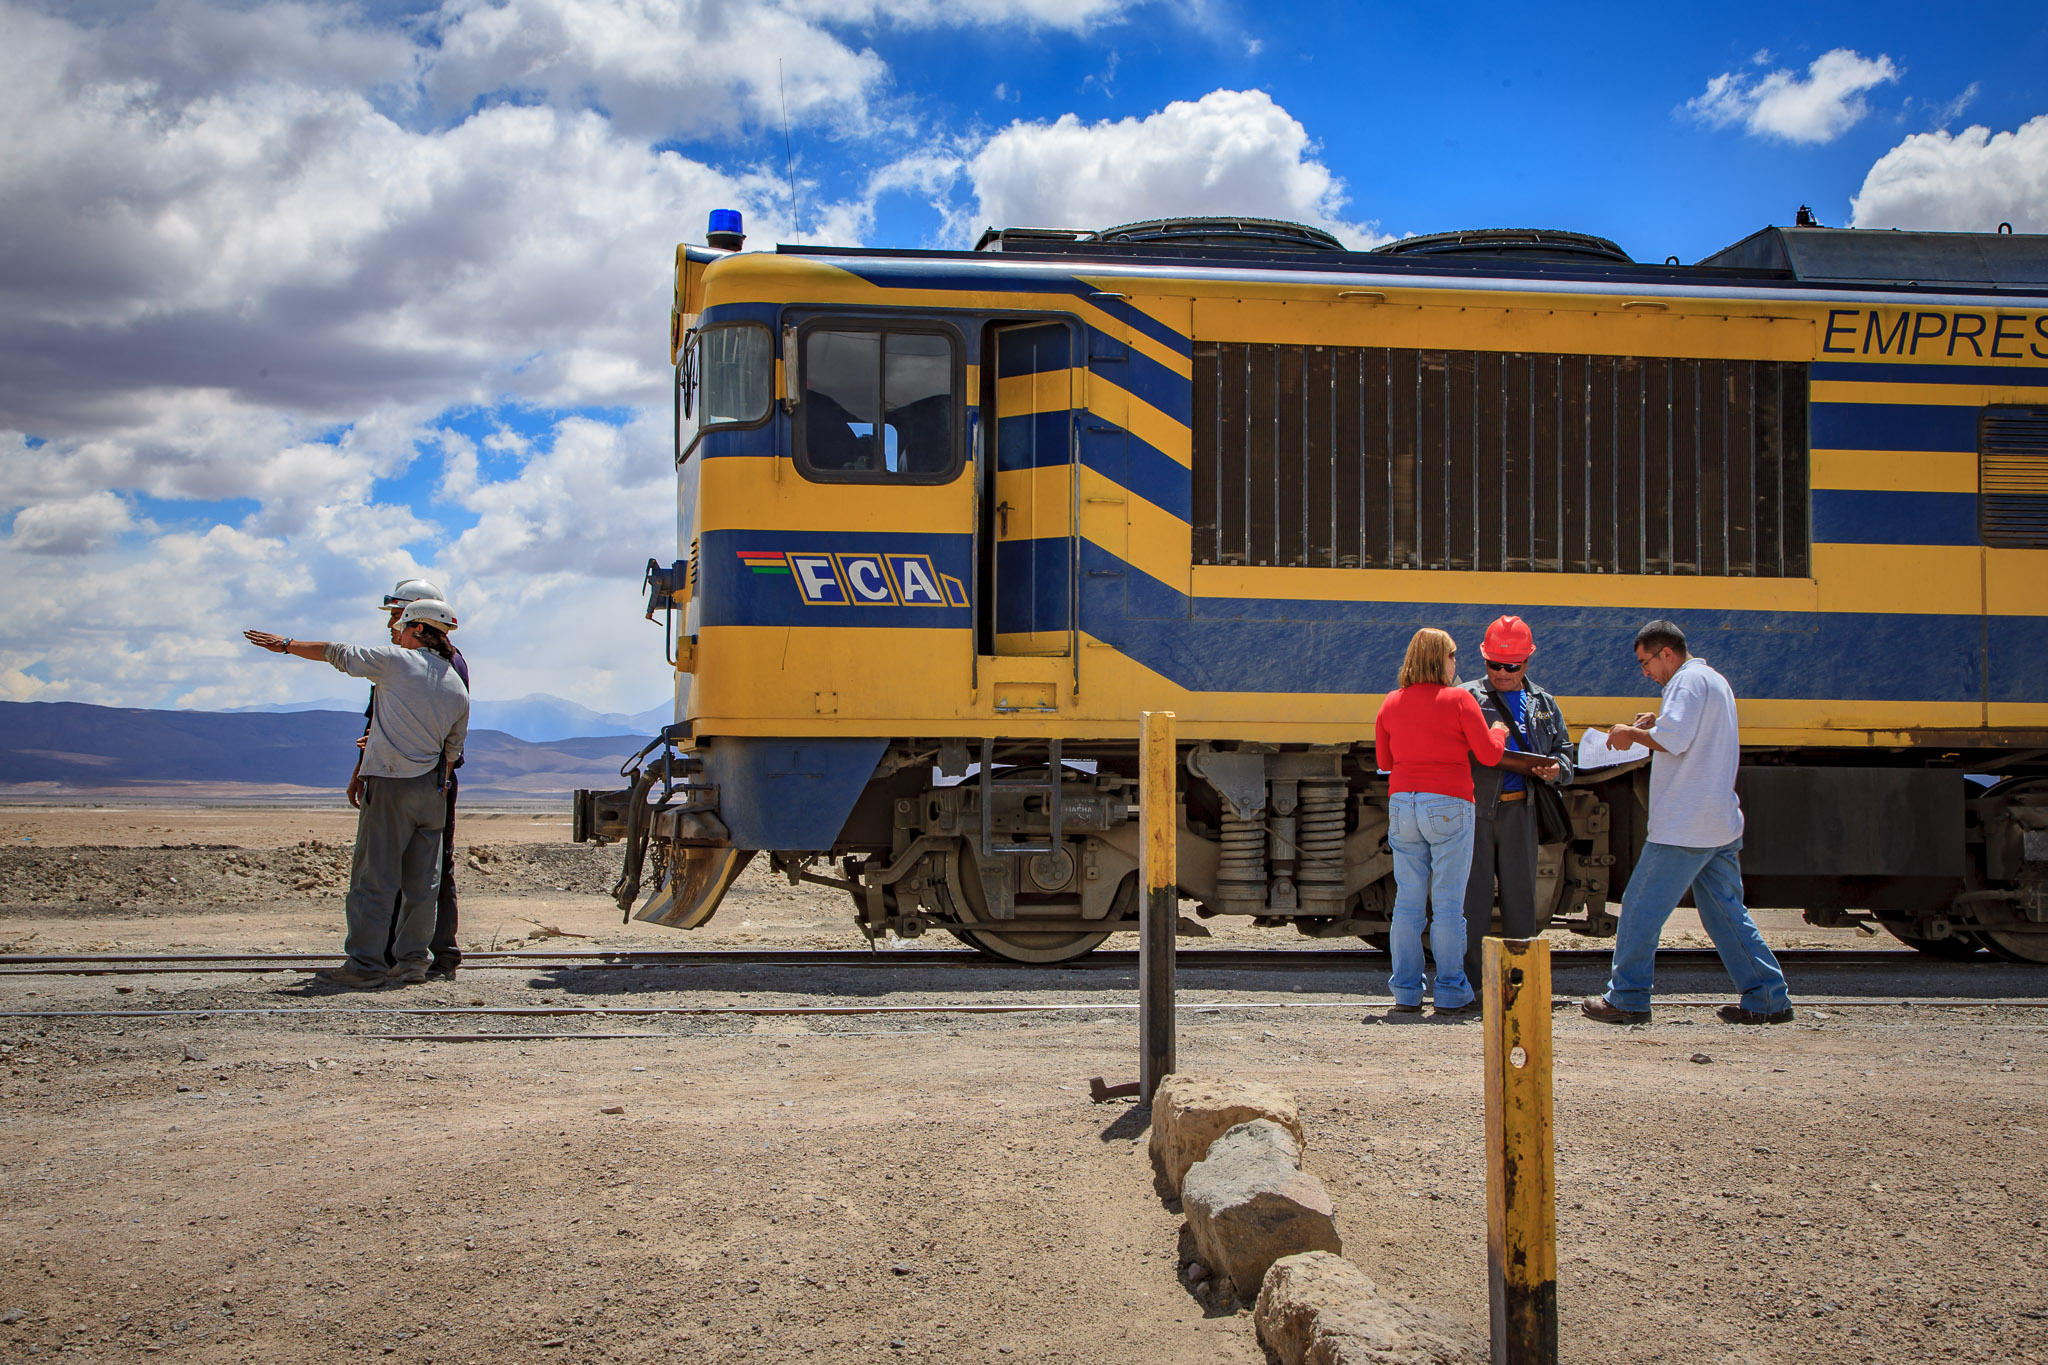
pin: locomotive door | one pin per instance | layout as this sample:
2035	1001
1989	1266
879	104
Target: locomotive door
1028	492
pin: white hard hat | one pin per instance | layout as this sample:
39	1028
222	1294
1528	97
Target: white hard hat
412	590
432	610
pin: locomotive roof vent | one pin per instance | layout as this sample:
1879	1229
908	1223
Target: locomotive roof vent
1268	233
1520	244
1239	234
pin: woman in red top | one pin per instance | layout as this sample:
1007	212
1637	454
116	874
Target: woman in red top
1426	734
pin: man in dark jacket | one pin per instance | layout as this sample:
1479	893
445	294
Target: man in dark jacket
1504	834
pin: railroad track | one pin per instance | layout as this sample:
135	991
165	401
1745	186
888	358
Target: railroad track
1111	960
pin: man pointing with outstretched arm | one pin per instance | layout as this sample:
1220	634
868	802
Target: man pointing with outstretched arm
1695	839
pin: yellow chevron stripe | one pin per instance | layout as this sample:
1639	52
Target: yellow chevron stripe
1116	404
794	279
1021	395
747	494
1927	395
1040	503
768	680
1572	325
1896	471
1535	589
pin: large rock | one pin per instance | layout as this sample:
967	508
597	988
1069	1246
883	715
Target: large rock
1190	1112
1319	1309
1249	1203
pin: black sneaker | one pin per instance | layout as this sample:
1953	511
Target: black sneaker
1736	1014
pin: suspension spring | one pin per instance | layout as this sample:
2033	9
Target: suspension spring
1322	831
1241	872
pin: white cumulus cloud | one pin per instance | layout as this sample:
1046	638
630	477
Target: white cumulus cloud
74	527
1232	152
1964	182
1826	103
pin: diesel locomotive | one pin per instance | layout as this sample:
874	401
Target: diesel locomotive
949	520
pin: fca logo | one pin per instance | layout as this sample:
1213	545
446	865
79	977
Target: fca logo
874	580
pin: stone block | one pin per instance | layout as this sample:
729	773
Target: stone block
1190	1112
1249	1203
1319	1309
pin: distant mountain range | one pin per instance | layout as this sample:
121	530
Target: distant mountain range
538	718
72	746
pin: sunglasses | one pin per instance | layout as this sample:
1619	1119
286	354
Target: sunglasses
1504	668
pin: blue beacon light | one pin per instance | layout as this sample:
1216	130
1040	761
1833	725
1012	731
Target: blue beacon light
726	232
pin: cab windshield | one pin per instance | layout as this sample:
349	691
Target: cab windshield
723	379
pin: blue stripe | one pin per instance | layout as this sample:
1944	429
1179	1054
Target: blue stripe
1039	441
788	793
770	438
1282	646
1865	517
731	594
1245	645
1156	477
1031	585
2036	375
923	274
1145	378
1034	440
1034	350
769	315
1893	426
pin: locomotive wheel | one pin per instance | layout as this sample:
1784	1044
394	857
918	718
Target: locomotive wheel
2015	947
1018	944
2010	945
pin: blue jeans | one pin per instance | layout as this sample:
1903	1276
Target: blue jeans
1661	876
1431	837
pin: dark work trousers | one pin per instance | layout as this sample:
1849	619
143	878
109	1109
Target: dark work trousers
447	953
1504	848
394	879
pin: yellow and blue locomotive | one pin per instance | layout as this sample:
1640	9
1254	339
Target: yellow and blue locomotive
949	520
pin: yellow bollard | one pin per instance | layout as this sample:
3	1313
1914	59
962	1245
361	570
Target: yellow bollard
1521	1182
1159	906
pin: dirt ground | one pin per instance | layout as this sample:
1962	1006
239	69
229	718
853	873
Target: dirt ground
1867	1184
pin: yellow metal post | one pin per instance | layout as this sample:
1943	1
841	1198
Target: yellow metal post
1159	911
1521	1183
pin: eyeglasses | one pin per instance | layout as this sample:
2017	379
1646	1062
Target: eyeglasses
1503	668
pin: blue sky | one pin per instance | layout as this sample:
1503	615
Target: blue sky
299	299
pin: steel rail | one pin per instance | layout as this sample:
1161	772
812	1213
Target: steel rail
1039	1007
1124	960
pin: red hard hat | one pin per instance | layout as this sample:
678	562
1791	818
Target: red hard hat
1508	641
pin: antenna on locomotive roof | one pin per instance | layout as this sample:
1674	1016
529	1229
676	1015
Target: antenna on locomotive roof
788	156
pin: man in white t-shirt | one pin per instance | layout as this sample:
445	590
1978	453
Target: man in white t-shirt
1695	837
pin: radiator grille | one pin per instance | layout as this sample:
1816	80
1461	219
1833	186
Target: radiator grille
2012	477
1358	457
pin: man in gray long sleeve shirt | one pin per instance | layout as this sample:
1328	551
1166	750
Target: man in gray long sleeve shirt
421	721
422	707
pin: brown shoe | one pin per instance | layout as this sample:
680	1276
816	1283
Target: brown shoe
1736	1014
1404	1009
1600	1008
408	974
349	979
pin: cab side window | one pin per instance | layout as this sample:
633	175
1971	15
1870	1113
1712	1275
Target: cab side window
878	405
